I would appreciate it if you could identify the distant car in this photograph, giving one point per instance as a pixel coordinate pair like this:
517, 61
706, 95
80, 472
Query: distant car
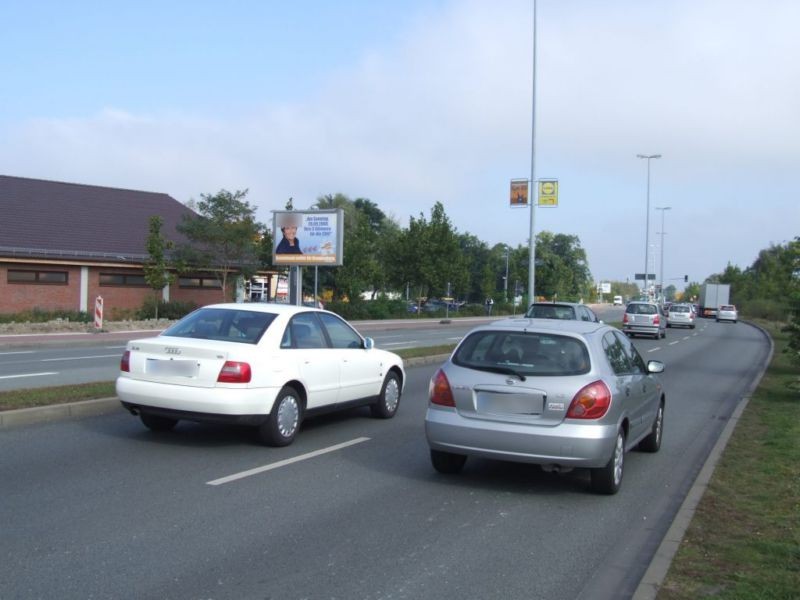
682, 315
727, 312
644, 318
561, 395
570, 311
267, 365
617, 300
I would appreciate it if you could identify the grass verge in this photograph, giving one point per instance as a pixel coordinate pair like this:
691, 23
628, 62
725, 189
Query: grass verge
744, 540
105, 389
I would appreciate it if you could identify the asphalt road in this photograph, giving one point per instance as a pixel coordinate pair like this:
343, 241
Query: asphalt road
102, 508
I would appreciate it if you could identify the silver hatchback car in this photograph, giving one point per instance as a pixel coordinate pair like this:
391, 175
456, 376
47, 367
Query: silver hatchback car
727, 312
644, 318
681, 314
560, 394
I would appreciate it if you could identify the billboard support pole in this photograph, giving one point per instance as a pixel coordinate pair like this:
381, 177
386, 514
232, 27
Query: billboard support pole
296, 286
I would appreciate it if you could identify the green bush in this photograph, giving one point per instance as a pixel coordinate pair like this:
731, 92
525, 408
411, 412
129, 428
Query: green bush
38, 315
172, 310
768, 309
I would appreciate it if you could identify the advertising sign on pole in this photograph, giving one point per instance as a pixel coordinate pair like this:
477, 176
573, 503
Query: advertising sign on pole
519, 192
313, 237
548, 192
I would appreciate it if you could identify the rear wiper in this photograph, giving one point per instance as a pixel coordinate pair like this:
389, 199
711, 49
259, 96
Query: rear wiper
498, 369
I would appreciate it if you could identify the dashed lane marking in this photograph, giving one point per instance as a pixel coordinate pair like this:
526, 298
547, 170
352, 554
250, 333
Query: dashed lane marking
284, 463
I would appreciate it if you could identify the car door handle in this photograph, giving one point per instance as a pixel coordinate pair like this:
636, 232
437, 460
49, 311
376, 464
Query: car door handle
627, 391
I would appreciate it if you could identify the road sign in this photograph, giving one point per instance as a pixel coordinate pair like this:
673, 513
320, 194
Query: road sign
640, 276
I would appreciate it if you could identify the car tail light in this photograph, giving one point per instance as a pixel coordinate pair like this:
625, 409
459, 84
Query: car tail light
125, 362
439, 390
234, 372
624, 317
591, 402
656, 320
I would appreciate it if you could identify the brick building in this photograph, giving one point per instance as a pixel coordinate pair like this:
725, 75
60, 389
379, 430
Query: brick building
64, 244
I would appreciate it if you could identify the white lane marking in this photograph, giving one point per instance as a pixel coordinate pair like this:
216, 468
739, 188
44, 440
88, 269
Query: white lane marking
19, 352
80, 357
656, 349
456, 338
675, 342
395, 344
288, 461
688, 337
27, 375
114, 347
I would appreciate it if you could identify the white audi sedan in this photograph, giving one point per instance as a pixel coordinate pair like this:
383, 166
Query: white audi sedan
265, 365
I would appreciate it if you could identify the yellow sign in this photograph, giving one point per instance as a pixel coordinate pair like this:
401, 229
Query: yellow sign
519, 192
548, 192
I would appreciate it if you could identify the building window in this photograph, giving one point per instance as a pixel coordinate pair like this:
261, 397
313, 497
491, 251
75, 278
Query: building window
40, 277
199, 282
122, 280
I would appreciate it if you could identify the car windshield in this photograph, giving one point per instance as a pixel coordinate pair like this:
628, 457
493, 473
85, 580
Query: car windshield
727, 308
679, 309
227, 325
523, 353
539, 311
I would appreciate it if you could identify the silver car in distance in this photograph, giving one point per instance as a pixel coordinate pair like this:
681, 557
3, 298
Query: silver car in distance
561, 394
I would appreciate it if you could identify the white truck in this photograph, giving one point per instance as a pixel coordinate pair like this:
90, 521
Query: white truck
712, 296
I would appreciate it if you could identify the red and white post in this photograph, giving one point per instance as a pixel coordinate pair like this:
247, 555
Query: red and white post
98, 313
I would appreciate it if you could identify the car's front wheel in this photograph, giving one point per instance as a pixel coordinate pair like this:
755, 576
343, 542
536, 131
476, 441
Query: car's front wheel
608, 479
447, 462
156, 423
389, 399
281, 426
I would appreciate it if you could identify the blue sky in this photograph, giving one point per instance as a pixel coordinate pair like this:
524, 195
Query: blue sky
413, 102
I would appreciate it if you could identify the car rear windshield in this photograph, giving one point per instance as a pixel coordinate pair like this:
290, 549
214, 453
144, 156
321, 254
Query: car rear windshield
679, 309
642, 309
727, 307
226, 325
526, 353
538, 311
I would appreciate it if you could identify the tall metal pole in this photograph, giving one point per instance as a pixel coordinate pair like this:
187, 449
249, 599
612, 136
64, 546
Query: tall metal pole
531, 195
647, 226
663, 209
505, 279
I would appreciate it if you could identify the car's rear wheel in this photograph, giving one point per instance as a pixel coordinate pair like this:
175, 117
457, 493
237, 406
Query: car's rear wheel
281, 426
663, 334
607, 479
652, 443
156, 423
447, 462
389, 399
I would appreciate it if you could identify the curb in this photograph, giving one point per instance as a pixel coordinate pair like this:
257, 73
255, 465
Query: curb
59, 412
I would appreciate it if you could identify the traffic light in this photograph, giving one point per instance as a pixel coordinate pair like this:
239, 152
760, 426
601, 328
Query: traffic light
685, 278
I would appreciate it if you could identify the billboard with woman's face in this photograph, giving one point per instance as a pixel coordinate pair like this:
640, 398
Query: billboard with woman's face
313, 237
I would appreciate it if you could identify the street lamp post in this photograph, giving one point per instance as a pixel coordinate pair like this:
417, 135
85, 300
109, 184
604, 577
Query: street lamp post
647, 225
505, 279
663, 209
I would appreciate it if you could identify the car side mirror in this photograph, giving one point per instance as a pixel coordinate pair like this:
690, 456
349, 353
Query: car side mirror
655, 366
369, 343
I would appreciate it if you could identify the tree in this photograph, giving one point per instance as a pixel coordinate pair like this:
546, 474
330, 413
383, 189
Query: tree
225, 236
156, 266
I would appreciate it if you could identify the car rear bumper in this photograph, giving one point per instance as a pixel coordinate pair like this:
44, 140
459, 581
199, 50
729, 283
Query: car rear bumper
567, 445
222, 402
643, 329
